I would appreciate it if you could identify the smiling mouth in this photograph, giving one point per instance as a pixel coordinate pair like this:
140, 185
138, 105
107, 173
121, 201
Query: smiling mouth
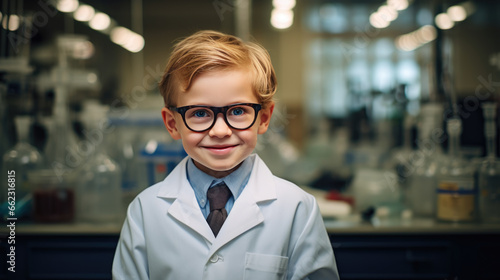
220, 150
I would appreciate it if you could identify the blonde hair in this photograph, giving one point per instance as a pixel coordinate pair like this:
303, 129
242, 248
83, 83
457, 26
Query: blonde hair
207, 51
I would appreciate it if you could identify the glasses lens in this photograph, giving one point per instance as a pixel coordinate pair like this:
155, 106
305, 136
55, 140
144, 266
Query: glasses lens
199, 118
240, 116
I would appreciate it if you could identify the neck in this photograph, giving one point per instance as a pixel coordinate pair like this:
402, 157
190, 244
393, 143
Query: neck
216, 173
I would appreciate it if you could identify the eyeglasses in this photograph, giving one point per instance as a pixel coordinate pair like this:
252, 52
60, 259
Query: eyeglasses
202, 118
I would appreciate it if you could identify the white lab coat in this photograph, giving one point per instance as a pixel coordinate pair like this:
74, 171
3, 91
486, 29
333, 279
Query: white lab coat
274, 231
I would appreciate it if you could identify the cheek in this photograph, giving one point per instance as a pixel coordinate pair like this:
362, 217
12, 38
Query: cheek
249, 137
190, 139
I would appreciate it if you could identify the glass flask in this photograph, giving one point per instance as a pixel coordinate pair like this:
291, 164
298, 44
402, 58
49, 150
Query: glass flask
456, 192
21, 159
99, 191
489, 171
423, 163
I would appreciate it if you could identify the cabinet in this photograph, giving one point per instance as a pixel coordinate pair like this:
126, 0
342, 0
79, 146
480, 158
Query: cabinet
362, 252
417, 256
61, 256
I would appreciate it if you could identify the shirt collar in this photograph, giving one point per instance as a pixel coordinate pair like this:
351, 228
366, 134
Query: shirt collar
200, 181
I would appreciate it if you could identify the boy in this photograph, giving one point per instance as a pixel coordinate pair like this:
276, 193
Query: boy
221, 214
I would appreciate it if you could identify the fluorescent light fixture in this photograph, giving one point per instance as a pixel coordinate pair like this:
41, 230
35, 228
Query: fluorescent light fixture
281, 19
457, 13
14, 22
443, 21
120, 35
100, 21
135, 44
417, 38
284, 4
399, 5
428, 33
84, 13
377, 20
128, 39
388, 13
461, 11
67, 6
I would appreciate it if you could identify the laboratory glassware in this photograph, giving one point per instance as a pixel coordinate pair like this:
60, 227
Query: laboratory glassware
99, 192
423, 162
21, 159
456, 191
489, 171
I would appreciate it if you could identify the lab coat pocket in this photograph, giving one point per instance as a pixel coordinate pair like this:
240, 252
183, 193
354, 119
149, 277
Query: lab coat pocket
265, 267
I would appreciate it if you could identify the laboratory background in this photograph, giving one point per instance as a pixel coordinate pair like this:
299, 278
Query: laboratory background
387, 112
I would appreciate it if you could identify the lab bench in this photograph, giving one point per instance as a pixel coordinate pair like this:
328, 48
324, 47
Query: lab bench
416, 249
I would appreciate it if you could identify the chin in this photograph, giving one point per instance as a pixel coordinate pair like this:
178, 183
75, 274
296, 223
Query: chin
223, 167
220, 167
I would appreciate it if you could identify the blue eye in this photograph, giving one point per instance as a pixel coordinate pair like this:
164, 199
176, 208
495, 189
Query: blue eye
200, 113
238, 111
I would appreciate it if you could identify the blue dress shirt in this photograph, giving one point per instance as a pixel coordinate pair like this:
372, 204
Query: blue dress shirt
201, 182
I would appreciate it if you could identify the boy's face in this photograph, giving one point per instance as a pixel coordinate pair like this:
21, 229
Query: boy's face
219, 150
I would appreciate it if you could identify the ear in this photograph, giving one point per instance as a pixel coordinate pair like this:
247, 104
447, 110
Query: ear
170, 123
265, 118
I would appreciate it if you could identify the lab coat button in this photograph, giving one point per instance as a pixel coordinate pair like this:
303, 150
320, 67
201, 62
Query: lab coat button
215, 258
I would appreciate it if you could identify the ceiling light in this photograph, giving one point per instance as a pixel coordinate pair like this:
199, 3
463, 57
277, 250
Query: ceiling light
387, 12
398, 4
67, 6
14, 22
100, 21
284, 4
281, 19
457, 13
84, 13
443, 21
378, 21
427, 33
135, 43
128, 39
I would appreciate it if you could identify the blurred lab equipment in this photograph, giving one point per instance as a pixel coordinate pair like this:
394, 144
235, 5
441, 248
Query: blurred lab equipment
400, 159
375, 188
423, 164
456, 191
161, 158
53, 196
21, 159
63, 80
99, 191
489, 170
142, 149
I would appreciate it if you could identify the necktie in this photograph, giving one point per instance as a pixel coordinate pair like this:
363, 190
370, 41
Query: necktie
217, 197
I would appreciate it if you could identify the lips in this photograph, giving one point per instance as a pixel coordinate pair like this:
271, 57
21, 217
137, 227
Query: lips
220, 149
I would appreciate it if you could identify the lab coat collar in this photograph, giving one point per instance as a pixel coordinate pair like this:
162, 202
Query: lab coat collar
261, 180
245, 214
184, 208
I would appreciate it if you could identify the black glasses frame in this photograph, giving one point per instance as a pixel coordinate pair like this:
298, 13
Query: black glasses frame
216, 110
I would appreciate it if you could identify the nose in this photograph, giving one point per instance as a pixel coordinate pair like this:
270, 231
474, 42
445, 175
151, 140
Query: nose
220, 128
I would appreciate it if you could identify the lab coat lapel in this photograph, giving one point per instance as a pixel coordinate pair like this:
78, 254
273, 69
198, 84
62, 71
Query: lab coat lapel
184, 208
246, 213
